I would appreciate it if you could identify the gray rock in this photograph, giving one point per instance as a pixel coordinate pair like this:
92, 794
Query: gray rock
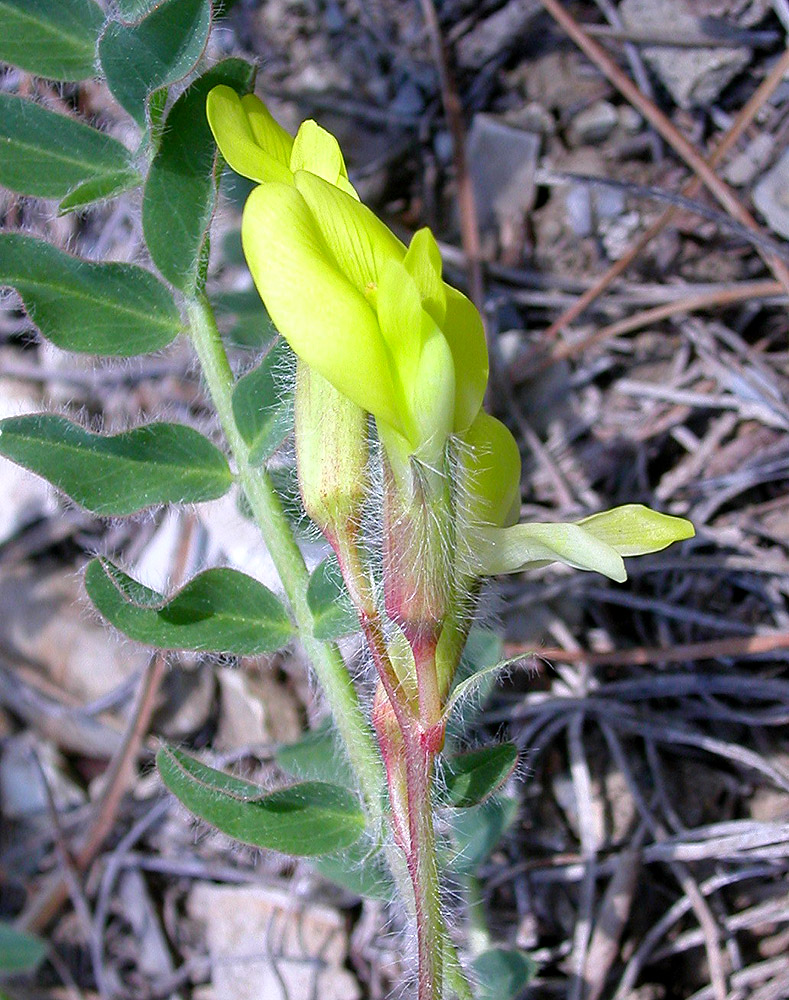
771, 196
502, 161
532, 117
594, 124
267, 942
25, 496
487, 38
693, 76
748, 164
408, 100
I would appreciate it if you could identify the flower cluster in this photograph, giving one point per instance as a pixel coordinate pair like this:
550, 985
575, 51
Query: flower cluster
377, 321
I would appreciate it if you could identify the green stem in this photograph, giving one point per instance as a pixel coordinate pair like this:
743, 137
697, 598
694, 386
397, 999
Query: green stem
423, 868
288, 560
325, 657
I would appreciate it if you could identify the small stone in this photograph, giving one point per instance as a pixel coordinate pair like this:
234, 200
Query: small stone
748, 164
43, 621
617, 234
630, 120
267, 942
22, 784
771, 197
532, 117
488, 37
510, 344
693, 76
255, 708
25, 497
408, 101
544, 80
502, 161
578, 203
594, 124
588, 205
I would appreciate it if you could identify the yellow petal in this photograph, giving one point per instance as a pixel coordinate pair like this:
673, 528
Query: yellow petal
325, 319
423, 263
400, 317
359, 242
317, 151
433, 394
248, 137
465, 335
635, 530
491, 461
527, 546
268, 133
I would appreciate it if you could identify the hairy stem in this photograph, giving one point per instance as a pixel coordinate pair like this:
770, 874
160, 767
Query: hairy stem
288, 560
435, 946
423, 870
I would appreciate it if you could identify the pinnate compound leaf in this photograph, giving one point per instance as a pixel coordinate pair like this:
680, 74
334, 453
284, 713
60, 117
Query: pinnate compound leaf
332, 611
118, 474
19, 952
263, 408
99, 189
179, 197
111, 309
46, 155
155, 52
469, 778
502, 973
308, 819
218, 611
51, 38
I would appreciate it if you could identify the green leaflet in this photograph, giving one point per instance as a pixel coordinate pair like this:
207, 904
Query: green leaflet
51, 38
250, 326
470, 778
19, 952
133, 10
110, 309
477, 831
99, 189
308, 819
333, 613
155, 52
360, 869
317, 756
262, 406
45, 154
118, 474
180, 193
218, 611
502, 973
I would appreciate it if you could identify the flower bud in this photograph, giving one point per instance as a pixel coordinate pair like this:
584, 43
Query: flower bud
331, 454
